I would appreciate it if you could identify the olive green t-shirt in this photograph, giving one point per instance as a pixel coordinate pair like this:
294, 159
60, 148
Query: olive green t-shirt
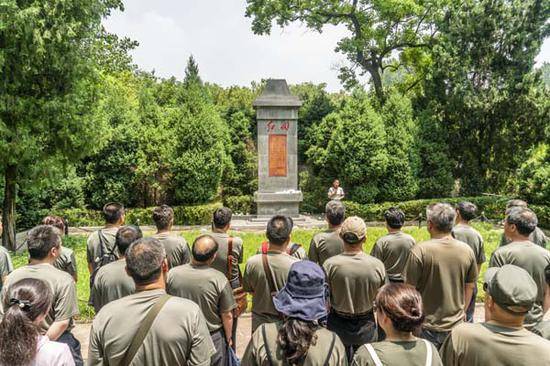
66, 261
256, 354
470, 236
484, 344
205, 286
111, 283
534, 260
64, 304
6, 266
92, 245
255, 281
220, 262
354, 280
324, 246
439, 269
178, 336
538, 237
395, 354
177, 251
293, 249
542, 329
393, 250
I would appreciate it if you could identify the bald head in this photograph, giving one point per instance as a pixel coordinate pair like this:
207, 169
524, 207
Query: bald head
204, 248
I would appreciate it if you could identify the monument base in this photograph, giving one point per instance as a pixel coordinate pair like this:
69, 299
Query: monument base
278, 203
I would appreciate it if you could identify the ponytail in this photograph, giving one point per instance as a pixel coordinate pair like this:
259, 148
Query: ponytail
295, 337
25, 301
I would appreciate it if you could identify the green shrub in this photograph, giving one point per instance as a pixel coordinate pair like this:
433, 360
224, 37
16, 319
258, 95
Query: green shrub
240, 204
534, 176
195, 215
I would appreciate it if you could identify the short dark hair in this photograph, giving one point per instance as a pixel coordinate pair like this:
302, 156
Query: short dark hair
206, 251
41, 239
221, 217
467, 210
525, 220
112, 212
125, 236
279, 228
335, 212
547, 274
144, 260
442, 216
163, 216
395, 218
55, 221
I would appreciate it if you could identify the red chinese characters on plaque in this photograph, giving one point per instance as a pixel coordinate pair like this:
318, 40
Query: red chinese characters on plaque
277, 155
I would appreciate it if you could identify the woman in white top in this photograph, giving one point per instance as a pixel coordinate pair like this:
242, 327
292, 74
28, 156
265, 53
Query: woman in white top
26, 304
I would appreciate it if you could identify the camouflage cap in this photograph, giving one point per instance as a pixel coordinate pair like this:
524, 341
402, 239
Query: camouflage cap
353, 230
511, 287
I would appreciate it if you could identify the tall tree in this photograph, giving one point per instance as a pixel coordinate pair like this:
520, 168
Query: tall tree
47, 86
192, 72
385, 35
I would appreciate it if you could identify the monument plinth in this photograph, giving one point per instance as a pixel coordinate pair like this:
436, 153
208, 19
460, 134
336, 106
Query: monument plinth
277, 117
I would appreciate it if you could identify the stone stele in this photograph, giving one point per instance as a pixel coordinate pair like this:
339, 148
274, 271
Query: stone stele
277, 116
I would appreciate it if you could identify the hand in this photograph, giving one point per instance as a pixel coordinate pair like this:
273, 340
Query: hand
229, 342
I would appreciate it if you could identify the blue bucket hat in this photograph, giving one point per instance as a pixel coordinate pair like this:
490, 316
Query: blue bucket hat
305, 294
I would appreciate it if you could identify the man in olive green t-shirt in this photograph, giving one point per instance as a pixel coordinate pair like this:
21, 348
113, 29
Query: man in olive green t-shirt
519, 224
102, 242
328, 243
463, 231
6, 266
264, 282
112, 282
353, 277
537, 236
44, 244
177, 251
66, 260
394, 248
444, 271
178, 335
210, 289
501, 340
543, 327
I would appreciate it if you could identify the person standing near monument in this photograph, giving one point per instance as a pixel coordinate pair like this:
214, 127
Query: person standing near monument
228, 257
354, 277
328, 243
336, 193
177, 251
112, 282
444, 271
209, 289
66, 261
537, 236
463, 231
44, 245
501, 340
266, 274
393, 249
149, 327
518, 226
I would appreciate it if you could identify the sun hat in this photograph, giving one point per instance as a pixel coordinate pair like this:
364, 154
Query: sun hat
353, 230
305, 294
511, 287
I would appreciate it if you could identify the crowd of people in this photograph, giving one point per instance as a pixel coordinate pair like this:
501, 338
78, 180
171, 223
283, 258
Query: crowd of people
160, 302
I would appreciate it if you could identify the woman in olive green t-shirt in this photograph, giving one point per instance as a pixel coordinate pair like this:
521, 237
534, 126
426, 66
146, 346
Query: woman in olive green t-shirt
399, 312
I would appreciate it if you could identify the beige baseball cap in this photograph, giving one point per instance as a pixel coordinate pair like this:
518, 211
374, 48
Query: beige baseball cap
353, 230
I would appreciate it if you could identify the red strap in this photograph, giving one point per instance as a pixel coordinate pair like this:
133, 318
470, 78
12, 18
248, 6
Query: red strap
265, 247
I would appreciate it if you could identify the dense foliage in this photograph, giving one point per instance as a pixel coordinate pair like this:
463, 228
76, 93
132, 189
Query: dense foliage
452, 106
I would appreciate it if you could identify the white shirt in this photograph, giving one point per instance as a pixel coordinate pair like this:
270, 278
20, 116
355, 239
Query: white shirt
52, 353
335, 194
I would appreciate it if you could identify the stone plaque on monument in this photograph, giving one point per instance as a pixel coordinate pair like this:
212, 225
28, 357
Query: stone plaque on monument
277, 116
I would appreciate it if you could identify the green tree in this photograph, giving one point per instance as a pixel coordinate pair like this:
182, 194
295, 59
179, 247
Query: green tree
384, 35
47, 88
350, 144
534, 176
490, 101
192, 72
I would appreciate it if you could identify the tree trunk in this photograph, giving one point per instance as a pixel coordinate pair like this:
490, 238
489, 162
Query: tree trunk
8, 212
377, 82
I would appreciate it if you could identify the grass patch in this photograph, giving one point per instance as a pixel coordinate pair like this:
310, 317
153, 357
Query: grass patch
252, 241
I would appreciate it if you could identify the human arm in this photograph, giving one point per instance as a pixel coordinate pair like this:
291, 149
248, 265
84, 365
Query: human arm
227, 320
95, 348
73, 268
57, 329
312, 252
201, 348
468, 293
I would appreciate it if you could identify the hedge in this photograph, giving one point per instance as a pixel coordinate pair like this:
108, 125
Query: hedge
490, 206
240, 204
183, 215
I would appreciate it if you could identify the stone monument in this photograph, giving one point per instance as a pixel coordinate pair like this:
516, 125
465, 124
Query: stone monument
277, 116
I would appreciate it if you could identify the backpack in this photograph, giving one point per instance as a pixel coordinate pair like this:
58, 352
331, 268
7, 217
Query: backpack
104, 257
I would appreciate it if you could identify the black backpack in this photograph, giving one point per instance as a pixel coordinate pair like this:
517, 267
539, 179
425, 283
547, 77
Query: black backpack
105, 256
